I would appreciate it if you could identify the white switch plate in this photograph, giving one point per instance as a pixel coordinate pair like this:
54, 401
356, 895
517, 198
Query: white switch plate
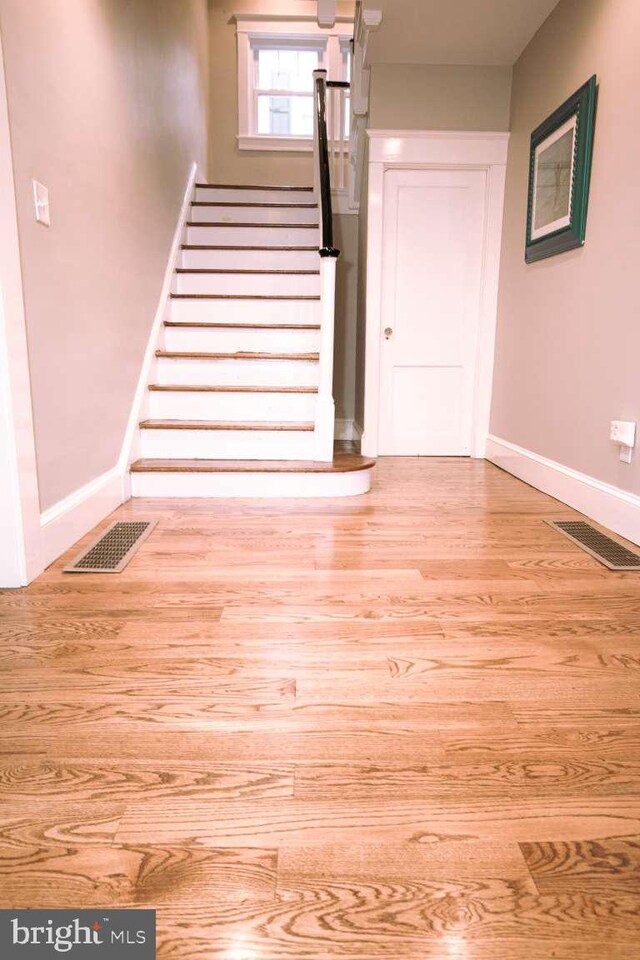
41, 203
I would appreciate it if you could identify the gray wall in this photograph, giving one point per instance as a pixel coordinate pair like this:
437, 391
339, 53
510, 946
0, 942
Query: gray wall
568, 338
108, 108
416, 96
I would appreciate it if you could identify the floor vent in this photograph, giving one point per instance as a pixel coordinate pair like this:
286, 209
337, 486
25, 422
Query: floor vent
612, 554
113, 550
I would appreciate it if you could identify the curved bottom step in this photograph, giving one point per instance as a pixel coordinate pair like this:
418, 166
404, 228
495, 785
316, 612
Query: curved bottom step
348, 475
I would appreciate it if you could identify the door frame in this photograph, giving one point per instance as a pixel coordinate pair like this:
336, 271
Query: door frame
20, 559
434, 149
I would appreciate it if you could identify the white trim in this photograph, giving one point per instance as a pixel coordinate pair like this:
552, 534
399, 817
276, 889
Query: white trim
428, 149
252, 485
278, 18
280, 144
70, 519
341, 203
345, 430
616, 509
131, 436
20, 508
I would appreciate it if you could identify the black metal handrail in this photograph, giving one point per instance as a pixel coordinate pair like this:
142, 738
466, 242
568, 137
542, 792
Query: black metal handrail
327, 248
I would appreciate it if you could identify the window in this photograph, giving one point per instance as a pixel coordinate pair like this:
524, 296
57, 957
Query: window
276, 60
283, 88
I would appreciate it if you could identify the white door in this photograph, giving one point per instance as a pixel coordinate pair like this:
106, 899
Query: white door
433, 239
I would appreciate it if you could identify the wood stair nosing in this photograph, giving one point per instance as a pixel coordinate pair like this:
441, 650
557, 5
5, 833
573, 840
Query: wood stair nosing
271, 249
225, 388
270, 205
253, 226
209, 325
242, 296
341, 463
243, 425
240, 355
249, 186
222, 270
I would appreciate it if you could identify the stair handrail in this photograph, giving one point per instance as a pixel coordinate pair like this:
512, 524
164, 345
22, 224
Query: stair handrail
324, 423
322, 165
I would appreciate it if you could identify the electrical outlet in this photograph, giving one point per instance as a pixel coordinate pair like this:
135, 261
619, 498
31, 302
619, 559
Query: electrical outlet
623, 432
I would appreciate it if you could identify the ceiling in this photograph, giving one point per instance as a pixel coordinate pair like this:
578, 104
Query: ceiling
489, 32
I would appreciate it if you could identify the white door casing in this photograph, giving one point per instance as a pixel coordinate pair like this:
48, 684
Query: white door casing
433, 236
483, 156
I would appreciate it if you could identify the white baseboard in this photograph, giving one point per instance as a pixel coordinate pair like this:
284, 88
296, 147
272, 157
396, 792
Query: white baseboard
610, 506
129, 450
70, 519
345, 430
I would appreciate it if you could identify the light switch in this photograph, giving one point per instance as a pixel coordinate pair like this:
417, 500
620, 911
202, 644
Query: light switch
41, 202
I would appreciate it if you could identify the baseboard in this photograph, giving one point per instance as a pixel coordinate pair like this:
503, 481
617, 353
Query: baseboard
131, 437
70, 519
610, 506
345, 430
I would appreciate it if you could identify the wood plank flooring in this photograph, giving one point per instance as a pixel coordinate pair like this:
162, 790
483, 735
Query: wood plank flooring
405, 725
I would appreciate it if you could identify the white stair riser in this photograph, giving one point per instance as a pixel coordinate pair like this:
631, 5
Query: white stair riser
254, 236
246, 311
251, 259
227, 444
216, 373
192, 405
250, 485
231, 195
234, 339
240, 214
275, 285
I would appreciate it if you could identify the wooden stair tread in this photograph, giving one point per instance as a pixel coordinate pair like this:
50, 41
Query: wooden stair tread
241, 296
226, 388
213, 246
241, 355
246, 186
232, 223
341, 463
258, 203
243, 326
222, 270
277, 425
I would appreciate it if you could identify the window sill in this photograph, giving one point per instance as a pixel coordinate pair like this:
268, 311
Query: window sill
278, 144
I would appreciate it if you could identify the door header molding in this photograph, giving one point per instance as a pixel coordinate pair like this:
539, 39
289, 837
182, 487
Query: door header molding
449, 147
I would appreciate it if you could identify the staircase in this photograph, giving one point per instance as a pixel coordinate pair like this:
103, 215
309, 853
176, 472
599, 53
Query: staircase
237, 406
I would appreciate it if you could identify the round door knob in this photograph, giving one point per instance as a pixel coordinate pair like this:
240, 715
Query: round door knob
388, 332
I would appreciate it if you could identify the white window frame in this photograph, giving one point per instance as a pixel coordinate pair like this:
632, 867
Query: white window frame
252, 34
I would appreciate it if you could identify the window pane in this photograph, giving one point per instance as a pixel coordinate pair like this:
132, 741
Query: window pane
285, 116
286, 69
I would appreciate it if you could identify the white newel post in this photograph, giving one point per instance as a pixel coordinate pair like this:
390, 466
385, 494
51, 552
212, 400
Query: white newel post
325, 408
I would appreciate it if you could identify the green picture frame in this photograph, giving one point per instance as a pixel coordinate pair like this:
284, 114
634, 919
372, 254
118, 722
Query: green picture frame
559, 175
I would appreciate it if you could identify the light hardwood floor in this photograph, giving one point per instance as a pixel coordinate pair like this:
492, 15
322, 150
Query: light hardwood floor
405, 725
